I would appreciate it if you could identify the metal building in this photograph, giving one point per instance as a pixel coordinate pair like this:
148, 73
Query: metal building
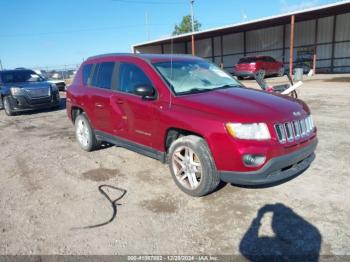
320, 34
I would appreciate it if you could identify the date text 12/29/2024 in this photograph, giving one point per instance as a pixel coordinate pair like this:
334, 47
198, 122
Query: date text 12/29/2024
172, 258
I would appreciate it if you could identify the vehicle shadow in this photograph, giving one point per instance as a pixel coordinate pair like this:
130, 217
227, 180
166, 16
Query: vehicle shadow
294, 239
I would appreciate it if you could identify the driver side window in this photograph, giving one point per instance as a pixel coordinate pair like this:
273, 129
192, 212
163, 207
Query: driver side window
130, 76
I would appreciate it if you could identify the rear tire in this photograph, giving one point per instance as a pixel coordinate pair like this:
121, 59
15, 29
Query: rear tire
192, 167
85, 134
8, 107
281, 71
240, 77
1, 103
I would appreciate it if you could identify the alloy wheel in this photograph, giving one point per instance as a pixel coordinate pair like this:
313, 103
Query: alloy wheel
187, 167
82, 132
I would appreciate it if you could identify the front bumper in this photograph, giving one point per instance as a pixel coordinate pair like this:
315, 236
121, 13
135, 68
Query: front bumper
244, 73
276, 169
23, 103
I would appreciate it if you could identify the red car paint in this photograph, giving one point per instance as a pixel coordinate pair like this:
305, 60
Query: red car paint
248, 66
205, 114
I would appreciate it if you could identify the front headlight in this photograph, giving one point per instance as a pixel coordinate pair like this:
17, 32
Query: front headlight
254, 131
16, 91
54, 87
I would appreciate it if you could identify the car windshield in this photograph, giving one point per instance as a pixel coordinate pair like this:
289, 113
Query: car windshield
186, 77
20, 77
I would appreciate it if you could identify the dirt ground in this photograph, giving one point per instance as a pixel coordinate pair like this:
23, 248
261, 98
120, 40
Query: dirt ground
49, 194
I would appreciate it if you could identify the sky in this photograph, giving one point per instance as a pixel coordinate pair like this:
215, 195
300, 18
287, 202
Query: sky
54, 33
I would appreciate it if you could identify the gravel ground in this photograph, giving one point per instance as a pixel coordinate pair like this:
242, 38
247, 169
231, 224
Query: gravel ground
49, 194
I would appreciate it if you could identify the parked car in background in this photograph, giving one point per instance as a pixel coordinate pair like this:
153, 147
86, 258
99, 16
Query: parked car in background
60, 83
187, 112
23, 90
264, 65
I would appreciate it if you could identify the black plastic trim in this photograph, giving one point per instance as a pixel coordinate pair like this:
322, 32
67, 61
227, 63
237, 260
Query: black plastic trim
141, 149
276, 169
26, 104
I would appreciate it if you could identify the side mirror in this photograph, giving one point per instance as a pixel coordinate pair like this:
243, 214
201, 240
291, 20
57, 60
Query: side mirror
145, 91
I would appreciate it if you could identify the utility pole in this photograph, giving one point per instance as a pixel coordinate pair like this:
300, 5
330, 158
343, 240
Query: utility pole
192, 22
1, 68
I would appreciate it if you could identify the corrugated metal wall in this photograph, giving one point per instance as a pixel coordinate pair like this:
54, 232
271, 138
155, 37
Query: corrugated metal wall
178, 48
264, 39
332, 48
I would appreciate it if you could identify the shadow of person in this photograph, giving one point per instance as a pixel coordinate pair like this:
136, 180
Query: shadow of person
294, 239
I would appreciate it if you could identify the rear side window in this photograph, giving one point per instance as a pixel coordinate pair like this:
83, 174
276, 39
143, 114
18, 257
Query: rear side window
86, 73
130, 76
247, 60
103, 75
270, 59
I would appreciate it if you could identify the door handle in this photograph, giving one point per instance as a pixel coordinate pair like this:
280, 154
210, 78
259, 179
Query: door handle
98, 105
120, 101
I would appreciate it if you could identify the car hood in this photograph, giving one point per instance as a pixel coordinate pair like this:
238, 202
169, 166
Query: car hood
245, 105
30, 85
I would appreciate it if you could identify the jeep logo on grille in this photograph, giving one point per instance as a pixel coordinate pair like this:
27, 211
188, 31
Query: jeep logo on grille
297, 113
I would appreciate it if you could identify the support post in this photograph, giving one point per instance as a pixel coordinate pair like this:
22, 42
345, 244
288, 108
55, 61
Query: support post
315, 48
244, 43
291, 45
284, 45
333, 42
212, 49
314, 63
222, 50
193, 48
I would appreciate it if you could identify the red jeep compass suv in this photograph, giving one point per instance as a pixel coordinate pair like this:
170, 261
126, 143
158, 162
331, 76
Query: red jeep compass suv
264, 65
185, 111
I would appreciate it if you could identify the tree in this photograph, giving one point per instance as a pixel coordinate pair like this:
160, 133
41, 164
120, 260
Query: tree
186, 26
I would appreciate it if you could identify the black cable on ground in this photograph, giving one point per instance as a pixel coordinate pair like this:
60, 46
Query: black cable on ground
114, 205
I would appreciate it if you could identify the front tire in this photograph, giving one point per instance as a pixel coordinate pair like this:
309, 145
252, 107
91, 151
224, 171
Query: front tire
85, 134
8, 107
192, 167
1, 103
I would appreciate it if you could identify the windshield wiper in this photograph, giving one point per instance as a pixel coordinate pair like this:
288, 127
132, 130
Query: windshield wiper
196, 90
227, 86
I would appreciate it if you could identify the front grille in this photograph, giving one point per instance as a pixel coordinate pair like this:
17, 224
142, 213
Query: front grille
294, 130
39, 92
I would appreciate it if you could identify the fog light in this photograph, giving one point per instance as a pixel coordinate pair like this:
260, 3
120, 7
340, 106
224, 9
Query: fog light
253, 160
